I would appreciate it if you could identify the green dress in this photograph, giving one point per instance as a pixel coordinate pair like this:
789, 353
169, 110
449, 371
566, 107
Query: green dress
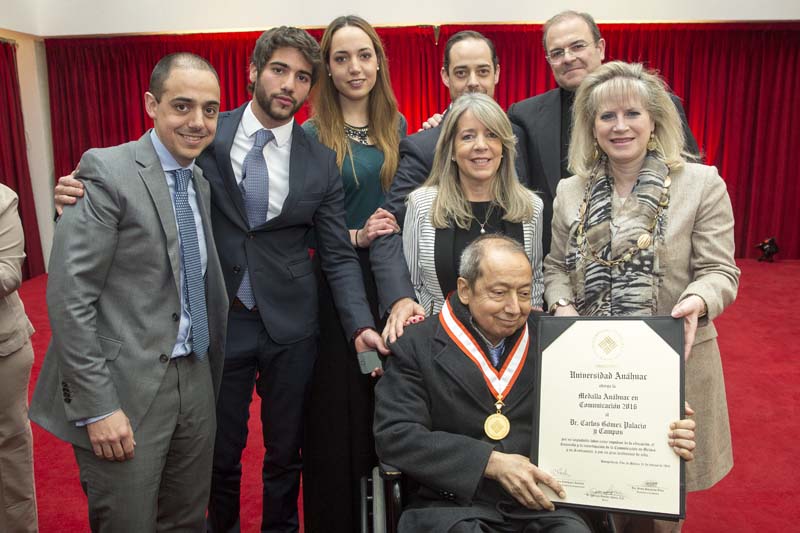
361, 179
338, 447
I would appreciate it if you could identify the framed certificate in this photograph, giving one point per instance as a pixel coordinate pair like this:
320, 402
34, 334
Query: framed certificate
608, 390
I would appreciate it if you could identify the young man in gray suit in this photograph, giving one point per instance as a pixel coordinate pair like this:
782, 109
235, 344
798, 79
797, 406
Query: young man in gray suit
137, 306
574, 49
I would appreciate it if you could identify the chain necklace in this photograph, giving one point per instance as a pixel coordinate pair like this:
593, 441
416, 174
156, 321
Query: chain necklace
642, 243
485, 219
359, 134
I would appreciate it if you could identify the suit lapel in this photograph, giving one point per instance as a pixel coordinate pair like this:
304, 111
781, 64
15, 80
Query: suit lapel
465, 373
154, 180
223, 142
298, 161
549, 141
462, 370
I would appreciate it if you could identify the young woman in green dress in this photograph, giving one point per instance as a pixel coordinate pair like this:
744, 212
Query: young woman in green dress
355, 114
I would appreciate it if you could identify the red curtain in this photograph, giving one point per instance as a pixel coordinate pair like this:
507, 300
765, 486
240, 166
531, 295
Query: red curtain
739, 83
14, 171
414, 68
96, 85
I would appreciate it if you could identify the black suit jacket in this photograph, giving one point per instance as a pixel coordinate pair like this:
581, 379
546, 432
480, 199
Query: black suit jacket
540, 119
430, 408
416, 160
276, 252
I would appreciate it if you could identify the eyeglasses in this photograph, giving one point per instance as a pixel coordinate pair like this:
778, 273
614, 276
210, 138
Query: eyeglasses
558, 55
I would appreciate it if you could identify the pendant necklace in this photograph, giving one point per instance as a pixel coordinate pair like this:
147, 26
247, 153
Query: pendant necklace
485, 219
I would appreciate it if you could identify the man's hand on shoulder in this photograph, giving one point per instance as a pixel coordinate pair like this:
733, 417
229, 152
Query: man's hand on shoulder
67, 191
519, 477
112, 437
432, 122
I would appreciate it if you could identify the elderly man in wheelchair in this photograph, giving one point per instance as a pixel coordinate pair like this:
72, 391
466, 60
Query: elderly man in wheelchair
437, 405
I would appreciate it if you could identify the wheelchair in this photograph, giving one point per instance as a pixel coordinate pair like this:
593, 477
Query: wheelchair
383, 494
381, 500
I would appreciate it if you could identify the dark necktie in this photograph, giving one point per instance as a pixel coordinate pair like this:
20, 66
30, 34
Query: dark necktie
193, 286
255, 189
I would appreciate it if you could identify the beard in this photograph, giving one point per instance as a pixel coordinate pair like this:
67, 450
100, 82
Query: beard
274, 109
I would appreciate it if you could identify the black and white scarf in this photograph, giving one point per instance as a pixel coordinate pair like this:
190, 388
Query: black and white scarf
630, 288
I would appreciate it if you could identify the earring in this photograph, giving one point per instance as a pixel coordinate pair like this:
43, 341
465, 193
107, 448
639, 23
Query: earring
379, 67
596, 152
329, 74
652, 144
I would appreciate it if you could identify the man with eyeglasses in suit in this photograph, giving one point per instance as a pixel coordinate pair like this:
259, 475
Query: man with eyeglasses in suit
574, 49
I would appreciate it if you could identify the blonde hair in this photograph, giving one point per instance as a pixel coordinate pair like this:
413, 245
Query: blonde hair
624, 81
451, 205
384, 118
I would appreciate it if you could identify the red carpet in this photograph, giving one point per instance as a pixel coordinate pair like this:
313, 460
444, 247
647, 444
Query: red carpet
758, 339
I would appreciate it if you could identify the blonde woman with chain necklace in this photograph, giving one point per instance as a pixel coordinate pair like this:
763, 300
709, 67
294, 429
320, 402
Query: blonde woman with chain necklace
640, 231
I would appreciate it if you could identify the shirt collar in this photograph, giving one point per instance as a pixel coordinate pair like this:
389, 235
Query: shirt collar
168, 162
486, 341
283, 134
463, 315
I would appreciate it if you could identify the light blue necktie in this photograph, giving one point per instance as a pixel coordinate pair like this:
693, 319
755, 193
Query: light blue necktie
193, 286
494, 354
255, 189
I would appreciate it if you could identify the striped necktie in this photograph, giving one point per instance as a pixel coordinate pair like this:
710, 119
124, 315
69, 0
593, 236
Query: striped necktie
255, 189
494, 354
194, 286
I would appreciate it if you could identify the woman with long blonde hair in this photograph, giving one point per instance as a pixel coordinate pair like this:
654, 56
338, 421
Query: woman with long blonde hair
640, 230
473, 189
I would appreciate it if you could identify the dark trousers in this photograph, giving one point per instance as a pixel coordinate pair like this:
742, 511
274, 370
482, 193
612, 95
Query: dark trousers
281, 374
559, 521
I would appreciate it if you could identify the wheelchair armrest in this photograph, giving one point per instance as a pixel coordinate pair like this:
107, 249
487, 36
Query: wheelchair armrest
388, 472
393, 493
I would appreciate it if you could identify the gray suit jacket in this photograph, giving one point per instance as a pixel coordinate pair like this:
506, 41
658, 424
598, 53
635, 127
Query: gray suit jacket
113, 293
540, 119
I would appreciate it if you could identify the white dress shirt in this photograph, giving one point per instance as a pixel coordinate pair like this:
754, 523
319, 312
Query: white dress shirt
276, 153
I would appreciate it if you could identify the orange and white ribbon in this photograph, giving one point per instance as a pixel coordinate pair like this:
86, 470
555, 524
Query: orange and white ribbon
500, 381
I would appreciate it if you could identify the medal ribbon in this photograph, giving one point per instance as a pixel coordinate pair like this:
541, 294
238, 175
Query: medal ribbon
500, 381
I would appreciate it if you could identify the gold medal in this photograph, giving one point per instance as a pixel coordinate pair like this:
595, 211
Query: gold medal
644, 241
496, 426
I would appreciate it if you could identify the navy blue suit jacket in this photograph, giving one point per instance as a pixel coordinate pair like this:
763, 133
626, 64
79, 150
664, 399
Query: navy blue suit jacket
277, 252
